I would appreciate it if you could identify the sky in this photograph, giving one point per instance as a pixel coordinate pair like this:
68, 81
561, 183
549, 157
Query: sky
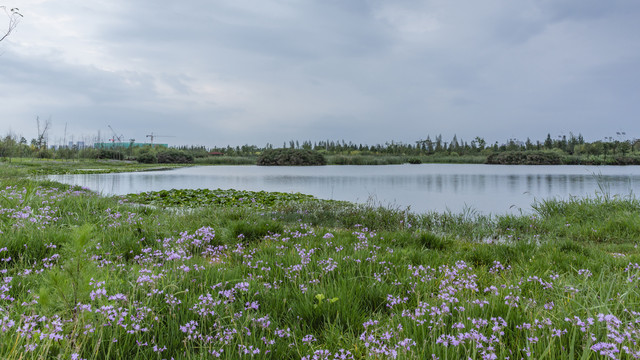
234, 72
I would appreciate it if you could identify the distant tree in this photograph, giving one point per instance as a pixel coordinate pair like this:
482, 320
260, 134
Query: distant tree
454, 145
512, 145
14, 18
41, 141
7, 146
438, 143
548, 143
562, 143
429, 145
528, 144
624, 147
571, 144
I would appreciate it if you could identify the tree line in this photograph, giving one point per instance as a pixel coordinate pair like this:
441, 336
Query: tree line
573, 146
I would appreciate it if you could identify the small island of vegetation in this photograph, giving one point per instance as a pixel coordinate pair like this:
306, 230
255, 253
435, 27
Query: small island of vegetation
290, 157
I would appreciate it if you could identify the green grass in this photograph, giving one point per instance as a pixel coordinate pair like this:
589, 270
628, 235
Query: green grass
226, 160
29, 166
402, 159
293, 276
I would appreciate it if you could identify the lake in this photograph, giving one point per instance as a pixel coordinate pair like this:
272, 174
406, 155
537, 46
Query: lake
496, 189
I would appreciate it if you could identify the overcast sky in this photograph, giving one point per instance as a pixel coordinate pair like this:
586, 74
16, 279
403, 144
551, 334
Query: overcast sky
218, 72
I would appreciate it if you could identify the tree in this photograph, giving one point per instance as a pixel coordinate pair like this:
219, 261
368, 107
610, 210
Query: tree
429, 144
624, 147
548, 143
528, 144
41, 141
14, 18
438, 143
454, 145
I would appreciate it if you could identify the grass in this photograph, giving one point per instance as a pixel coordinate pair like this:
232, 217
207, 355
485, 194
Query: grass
402, 159
90, 277
226, 160
60, 167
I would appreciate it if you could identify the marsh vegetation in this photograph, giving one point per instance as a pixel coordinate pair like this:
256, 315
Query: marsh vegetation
275, 276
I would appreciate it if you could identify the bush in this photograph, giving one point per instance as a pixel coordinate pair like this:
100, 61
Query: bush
290, 157
525, 158
110, 154
147, 158
174, 156
44, 154
625, 160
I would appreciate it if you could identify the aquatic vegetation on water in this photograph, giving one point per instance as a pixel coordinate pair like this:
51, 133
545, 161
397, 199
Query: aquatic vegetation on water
219, 197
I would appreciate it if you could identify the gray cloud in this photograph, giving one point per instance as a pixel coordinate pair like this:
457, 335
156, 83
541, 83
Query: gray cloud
234, 72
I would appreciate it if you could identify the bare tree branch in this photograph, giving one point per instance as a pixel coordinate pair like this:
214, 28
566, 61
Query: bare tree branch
43, 136
14, 18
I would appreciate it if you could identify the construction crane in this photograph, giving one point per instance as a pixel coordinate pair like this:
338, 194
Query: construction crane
115, 135
152, 136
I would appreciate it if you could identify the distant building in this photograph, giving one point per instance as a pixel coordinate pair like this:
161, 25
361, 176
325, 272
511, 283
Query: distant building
70, 145
126, 145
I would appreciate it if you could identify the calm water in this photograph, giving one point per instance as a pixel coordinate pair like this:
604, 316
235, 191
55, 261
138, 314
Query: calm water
426, 187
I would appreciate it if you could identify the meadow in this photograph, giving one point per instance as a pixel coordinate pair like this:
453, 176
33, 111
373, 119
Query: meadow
254, 275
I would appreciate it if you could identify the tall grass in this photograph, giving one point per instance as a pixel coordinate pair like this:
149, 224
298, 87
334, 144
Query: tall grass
226, 160
365, 160
83, 276
595, 219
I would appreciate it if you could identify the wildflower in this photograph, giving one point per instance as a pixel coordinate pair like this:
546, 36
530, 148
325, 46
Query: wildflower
549, 305
251, 305
308, 339
585, 272
242, 286
189, 327
606, 349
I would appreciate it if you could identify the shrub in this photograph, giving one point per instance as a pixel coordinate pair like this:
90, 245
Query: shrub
147, 158
174, 156
110, 154
525, 158
44, 154
290, 157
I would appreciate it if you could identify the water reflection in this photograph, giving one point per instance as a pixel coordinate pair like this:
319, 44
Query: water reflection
427, 187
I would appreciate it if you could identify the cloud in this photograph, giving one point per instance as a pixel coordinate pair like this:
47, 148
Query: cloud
235, 72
